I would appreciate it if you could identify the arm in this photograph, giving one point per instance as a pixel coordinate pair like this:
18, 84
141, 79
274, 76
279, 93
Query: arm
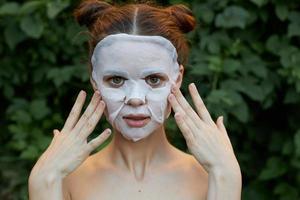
225, 184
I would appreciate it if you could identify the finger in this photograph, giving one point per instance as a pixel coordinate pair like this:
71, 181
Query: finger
55, 135
93, 144
222, 128
221, 125
75, 112
89, 111
184, 128
91, 123
185, 105
179, 111
199, 104
49, 149
55, 132
174, 104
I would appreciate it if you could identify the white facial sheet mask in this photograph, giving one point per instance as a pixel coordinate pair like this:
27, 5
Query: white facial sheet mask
135, 57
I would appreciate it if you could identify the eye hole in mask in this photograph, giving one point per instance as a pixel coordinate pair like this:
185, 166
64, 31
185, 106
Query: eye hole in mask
154, 80
114, 81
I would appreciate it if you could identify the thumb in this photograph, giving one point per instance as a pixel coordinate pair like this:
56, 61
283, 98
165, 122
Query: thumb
220, 124
55, 134
222, 128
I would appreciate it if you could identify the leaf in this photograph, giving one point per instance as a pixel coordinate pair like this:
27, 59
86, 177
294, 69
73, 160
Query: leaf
239, 108
291, 97
274, 43
61, 75
38, 108
286, 191
10, 8
251, 89
297, 86
297, 142
30, 6
294, 17
293, 29
233, 16
241, 112
8, 91
17, 131
273, 169
21, 116
289, 56
255, 65
55, 7
13, 36
33, 26
215, 63
219, 97
233, 84
204, 12
282, 11
260, 3
30, 153
231, 65
287, 148
200, 69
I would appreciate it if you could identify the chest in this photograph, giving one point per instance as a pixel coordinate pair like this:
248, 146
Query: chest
162, 187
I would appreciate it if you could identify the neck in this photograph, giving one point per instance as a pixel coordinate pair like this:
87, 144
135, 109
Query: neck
140, 157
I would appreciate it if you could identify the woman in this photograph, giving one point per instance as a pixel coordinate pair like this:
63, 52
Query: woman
136, 75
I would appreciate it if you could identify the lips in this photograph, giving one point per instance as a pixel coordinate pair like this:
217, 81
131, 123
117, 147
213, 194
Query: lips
138, 120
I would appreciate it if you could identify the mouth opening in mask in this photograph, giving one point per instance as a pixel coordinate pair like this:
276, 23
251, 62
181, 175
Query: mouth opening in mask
136, 120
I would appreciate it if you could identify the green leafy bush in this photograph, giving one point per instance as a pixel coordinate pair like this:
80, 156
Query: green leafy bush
245, 60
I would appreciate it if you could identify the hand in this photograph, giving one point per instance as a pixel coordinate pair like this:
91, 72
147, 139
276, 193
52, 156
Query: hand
207, 141
69, 147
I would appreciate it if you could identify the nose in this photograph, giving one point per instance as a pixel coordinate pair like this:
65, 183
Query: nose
135, 102
135, 95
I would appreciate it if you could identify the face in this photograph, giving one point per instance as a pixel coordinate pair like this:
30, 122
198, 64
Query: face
135, 79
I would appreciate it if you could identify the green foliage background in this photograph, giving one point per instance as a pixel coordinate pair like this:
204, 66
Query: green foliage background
245, 60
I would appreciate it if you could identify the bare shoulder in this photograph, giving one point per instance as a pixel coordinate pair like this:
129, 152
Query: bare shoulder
190, 163
85, 173
192, 172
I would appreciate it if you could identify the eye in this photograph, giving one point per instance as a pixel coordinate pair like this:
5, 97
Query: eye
154, 80
116, 81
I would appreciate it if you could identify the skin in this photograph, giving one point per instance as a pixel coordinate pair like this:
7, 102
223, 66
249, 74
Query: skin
149, 169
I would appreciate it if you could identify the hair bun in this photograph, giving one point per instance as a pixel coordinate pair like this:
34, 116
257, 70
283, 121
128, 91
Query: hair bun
89, 10
184, 17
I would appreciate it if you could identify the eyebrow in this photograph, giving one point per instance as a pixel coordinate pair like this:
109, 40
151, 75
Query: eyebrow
147, 72
116, 73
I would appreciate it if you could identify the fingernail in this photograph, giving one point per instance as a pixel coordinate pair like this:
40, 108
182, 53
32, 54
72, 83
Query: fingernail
222, 118
174, 89
55, 131
108, 131
102, 103
177, 116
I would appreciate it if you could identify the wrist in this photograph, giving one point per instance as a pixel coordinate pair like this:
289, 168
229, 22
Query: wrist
44, 179
231, 173
225, 183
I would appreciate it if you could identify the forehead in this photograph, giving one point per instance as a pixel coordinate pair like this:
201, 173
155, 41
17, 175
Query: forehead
134, 55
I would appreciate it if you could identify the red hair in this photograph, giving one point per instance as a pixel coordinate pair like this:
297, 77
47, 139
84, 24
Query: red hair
103, 19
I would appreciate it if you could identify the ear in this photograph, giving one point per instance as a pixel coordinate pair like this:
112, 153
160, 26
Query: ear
94, 84
180, 76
